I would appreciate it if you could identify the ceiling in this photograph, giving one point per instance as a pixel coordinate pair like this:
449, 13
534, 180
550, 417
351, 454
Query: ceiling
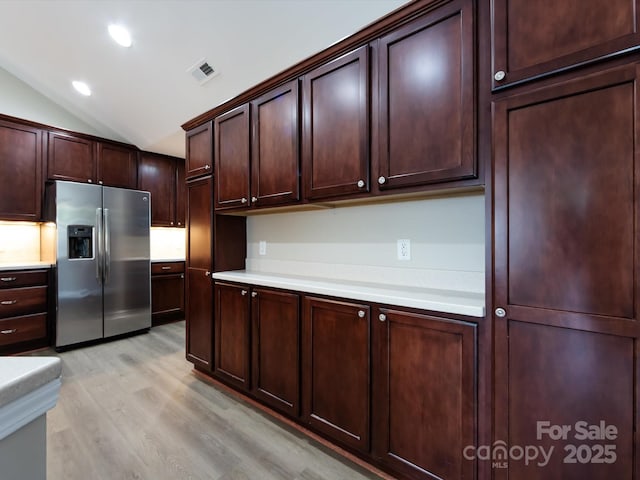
143, 94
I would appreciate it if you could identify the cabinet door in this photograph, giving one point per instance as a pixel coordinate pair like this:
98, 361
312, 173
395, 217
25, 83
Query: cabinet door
276, 349
426, 99
336, 370
232, 334
158, 176
20, 172
199, 317
199, 151
424, 394
336, 127
534, 38
167, 294
117, 166
565, 265
71, 158
232, 158
275, 159
199, 224
181, 194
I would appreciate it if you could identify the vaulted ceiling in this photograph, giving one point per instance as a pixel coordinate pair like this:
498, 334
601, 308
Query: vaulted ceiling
143, 94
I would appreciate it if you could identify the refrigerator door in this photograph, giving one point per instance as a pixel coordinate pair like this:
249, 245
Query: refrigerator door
79, 292
127, 267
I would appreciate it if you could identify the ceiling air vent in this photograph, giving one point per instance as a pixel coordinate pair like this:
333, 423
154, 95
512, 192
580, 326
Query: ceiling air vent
202, 71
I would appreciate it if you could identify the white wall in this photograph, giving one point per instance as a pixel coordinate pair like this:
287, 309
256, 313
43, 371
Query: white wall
359, 243
18, 99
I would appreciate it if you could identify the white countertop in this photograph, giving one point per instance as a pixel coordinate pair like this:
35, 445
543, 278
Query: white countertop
446, 301
29, 386
24, 266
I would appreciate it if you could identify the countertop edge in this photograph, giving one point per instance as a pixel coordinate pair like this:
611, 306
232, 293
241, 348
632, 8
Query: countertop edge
23, 410
373, 294
26, 266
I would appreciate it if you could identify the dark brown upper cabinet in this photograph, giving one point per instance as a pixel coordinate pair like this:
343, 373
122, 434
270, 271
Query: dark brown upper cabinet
426, 100
71, 158
232, 158
536, 38
20, 172
275, 159
335, 138
158, 175
117, 166
181, 193
199, 150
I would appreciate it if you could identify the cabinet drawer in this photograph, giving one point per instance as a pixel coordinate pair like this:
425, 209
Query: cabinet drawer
22, 329
167, 267
23, 278
22, 301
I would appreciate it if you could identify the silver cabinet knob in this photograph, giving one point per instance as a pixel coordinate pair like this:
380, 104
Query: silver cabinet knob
179, 223
499, 76
100, 182
500, 312
382, 317
207, 167
207, 273
243, 200
89, 180
171, 223
382, 180
361, 313
182, 276
360, 183
254, 199
254, 294
244, 292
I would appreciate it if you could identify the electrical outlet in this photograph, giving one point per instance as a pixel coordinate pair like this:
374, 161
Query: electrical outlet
404, 249
262, 247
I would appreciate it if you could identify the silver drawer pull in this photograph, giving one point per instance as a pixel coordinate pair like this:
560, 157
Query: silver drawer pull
8, 332
8, 302
8, 279
166, 268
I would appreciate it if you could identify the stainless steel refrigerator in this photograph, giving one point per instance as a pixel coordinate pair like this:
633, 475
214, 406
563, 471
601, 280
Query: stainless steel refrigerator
103, 264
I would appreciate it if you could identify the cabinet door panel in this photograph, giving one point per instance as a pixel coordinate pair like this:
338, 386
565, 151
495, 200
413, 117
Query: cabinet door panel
71, 158
199, 151
533, 38
167, 294
181, 194
232, 334
20, 172
199, 317
158, 176
563, 377
117, 166
570, 209
275, 159
199, 224
425, 387
336, 371
276, 349
427, 99
336, 127
232, 158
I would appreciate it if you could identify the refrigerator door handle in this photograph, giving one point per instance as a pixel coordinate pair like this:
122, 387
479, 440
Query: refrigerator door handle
107, 246
98, 242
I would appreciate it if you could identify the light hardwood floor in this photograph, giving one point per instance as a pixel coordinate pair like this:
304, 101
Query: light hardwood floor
133, 409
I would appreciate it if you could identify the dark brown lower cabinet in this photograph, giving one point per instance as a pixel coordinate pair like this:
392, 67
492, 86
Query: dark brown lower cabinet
167, 291
336, 370
276, 349
424, 394
232, 334
199, 315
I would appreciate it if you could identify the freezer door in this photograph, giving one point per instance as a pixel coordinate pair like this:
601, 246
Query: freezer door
127, 267
79, 292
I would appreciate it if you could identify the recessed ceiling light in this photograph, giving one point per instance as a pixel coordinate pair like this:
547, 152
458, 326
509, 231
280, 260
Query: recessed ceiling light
82, 88
120, 35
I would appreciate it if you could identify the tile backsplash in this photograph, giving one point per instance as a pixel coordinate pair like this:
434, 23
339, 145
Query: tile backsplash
19, 242
168, 243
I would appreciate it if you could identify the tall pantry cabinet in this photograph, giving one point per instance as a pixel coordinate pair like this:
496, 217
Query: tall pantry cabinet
565, 236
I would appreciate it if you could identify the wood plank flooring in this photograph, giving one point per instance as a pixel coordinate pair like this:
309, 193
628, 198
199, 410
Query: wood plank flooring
133, 409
